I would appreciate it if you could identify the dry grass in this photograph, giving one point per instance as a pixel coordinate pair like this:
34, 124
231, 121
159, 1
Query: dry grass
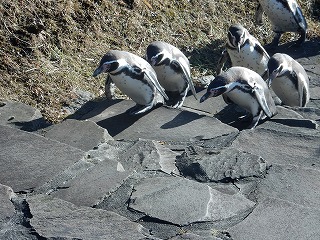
49, 48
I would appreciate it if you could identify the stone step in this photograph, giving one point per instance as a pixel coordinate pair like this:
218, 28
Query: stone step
28, 160
22, 116
84, 135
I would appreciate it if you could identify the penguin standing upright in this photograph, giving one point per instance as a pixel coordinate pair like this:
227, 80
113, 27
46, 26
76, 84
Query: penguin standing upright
244, 50
288, 80
285, 16
173, 71
245, 88
135, 77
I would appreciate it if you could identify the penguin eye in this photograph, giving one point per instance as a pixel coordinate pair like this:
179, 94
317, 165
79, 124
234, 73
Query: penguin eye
156, 59
280, 68
106, 67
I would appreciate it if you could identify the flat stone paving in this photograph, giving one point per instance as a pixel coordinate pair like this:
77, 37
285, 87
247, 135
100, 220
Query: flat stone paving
190, 173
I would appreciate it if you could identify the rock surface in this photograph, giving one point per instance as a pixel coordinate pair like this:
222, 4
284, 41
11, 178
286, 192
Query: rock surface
192, 173
68, 132
29, 160
55, 218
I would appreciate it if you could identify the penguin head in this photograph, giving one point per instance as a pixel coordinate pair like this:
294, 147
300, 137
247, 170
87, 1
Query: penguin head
109, 63
236, 36
275, 69
217, 87
157, 54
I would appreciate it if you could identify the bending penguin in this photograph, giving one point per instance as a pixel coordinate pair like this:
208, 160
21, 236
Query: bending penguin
173, 71
285, 16
134, 77
244, 50
288, 80
245, 88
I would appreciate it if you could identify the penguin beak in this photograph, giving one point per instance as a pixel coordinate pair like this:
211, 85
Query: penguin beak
205, 96
97, 72
271, 77
153, 61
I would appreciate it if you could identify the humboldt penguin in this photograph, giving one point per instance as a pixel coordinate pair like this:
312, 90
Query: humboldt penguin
285, 16
135, 77
245, 88
288, 80
173, 71
244, 50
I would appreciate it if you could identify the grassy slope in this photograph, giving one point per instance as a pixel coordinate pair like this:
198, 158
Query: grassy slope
48, 48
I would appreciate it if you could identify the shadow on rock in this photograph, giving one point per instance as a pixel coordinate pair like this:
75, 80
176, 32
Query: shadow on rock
230, 115
118, 123
307, 49
33, 125
306, 123
92, 108
182, 118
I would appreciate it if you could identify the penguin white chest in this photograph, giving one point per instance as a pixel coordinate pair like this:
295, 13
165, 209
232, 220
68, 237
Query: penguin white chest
281, 17
245, 100
169, 79
139, 91
248, 57
285, 89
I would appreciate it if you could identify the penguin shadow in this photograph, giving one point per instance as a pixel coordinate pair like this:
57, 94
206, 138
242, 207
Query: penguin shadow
206, 57
118, 123
232, 115
181, 119
307, 49
93, 108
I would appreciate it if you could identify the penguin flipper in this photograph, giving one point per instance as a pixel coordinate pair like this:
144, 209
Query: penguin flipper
258, 47
222, 60
301, 21
155, 83
301, 88
109, 88
298, 17
261, 98
187, 77
258, 15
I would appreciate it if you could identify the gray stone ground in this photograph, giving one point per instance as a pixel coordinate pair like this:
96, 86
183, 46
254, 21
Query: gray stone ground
194, 173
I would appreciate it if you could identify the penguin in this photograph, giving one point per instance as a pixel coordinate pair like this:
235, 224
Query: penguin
135, 77
245, 88
244, 50
173, 71
288, 80
285, 16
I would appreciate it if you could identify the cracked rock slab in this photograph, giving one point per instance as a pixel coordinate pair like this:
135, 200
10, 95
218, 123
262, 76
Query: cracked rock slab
277, 220
91, 186
225, 165
84, 135
29, 160
292, 183
57, 219
278, 144
181, 201
149, 155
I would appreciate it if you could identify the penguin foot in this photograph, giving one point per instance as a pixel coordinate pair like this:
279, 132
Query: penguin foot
255, 120
275, 41
139, 109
